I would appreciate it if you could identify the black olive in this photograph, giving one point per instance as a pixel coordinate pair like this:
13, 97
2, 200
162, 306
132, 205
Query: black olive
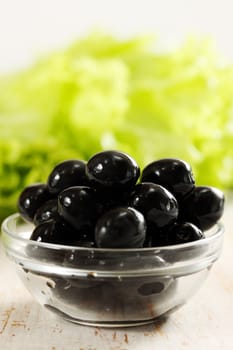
31, 198
158, 205
66, 174
120, 228
112, 170
173, 174
79, 206
203, 207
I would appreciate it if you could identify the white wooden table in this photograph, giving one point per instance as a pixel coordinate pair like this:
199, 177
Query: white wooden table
206, 322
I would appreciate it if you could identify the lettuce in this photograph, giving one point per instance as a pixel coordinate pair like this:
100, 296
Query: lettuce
108, 93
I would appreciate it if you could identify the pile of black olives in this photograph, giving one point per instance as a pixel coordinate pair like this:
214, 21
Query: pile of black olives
102, 203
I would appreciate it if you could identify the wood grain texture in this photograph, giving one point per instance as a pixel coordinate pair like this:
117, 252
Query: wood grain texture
205, 322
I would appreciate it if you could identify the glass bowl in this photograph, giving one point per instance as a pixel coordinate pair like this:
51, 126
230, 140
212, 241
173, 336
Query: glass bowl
110, 287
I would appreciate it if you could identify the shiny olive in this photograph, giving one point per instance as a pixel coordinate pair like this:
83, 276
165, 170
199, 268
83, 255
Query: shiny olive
46, 212
173, 174
31, 198
112, 170
52, 231
176, 234
78, 205
120, 228
66, 174
184, 233
203, 207
157, 204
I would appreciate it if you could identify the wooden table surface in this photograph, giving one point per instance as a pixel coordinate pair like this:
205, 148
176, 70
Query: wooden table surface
205, 322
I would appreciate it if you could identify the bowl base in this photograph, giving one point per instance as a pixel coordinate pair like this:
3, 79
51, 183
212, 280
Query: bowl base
105, 324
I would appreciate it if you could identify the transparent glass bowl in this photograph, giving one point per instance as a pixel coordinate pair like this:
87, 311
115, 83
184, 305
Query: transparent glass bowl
110, 287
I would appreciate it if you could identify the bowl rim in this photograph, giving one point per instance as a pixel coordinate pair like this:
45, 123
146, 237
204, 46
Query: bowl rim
218, 231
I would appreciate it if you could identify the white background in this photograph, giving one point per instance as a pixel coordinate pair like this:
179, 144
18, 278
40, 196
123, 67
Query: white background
30, 27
